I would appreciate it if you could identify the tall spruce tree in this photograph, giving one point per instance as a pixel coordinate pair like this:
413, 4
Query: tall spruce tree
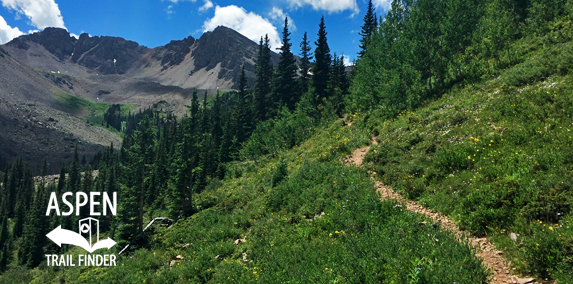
285, 86
305, 65
217, 128
241, 116
16, 174
86, 186
369, 27
205, 115
224, 154
321, 70
263, 80
338, 84
24, 200
132, 198
30, 251
62, 180
185, 161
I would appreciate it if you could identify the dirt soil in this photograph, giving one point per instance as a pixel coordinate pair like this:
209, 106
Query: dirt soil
492, 258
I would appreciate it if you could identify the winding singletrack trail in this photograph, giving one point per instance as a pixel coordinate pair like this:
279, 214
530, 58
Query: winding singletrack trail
492, 258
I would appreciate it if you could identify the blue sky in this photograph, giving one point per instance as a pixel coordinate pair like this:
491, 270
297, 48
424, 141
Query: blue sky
156, 22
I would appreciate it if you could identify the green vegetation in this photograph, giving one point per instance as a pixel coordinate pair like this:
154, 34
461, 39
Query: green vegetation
288, 238
495, 157
471, 103
92, 112
485, 137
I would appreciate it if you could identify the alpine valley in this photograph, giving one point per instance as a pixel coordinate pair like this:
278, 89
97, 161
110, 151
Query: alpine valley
53, 86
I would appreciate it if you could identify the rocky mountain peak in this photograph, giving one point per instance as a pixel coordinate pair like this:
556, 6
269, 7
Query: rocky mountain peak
214, 60
174, 52
231, 50
107, 55
56, 40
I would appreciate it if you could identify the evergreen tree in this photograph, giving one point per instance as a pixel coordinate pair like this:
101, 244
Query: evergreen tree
44, 173
193, 109
263, 80
305, 65
369, 27
23, 200
224, 153
338, 84
217, 129
321, 70
184, 162
159, 175
344, 80
205, 115
140, 156
241, 116
4, 237
74, 180
30, 252
62, 180
285, 87
14, 182
86, 186
182, 184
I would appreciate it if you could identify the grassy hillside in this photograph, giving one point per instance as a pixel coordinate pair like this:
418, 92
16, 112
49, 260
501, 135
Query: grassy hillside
306, 218
497, 156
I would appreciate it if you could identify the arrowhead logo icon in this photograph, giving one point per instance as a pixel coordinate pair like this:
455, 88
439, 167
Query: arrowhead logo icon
62, 236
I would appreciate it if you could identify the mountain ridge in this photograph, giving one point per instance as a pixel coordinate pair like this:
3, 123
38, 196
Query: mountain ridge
222, 50
41, 73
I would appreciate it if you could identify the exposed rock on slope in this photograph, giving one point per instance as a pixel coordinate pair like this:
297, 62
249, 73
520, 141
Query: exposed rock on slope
230, 50
32, 127
37, 132
174, 52
107, 55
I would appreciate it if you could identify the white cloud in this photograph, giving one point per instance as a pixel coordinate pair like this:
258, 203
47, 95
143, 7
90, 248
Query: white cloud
41, 13
249, 24
278, 16
384, 5
75, 35
208, 5
169, 10
347, 61
7, 33
328, 5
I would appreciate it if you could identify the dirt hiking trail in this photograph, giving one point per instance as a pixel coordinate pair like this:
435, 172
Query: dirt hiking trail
491, 257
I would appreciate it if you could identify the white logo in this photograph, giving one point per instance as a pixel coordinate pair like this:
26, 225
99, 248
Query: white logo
62, 236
